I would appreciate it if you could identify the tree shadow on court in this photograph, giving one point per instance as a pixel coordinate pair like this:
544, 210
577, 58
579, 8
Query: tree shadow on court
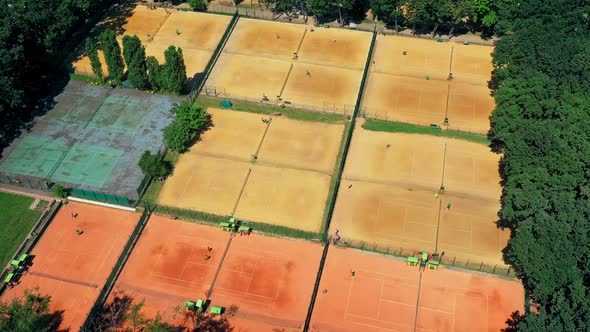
116, 18
196, 321
123, 313
31, 311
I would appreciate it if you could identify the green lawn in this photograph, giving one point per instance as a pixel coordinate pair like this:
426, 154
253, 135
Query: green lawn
16, 220
395, 127
260, 108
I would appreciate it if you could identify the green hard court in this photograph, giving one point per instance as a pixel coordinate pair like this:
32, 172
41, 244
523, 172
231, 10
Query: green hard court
73, 108
120, 113
87, 165
35, 156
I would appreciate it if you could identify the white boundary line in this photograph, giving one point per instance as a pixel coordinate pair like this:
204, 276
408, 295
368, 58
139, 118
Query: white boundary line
76, 199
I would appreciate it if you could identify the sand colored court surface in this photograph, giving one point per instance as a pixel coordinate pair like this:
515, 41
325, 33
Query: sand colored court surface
414, 87
265, 39
386, 216
285, 197
388, 197
143, 22
301, 144
335, 47
247, 77
286, 184
470, 107
405, 99
317, 70
234, 135
65, 263
270, 280
322, 87
387, 295
198, 34
411, 162
472, 64
168, 265
190, 30
423, 57
205, 184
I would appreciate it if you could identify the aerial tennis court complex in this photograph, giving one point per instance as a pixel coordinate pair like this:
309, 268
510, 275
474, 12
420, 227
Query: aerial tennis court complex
409, 82
270, 280
276, 172
92, 139
390, 197
385, 294
72, 267
198, 34
289, 64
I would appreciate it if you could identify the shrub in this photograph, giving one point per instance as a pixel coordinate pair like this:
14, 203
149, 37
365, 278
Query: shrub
191, 121
60, 191
154, 166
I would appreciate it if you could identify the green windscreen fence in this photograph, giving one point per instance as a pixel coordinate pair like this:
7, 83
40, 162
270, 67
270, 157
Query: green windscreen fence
102, 197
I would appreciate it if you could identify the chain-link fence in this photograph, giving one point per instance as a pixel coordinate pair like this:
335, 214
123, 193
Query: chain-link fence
446, 259
320, 107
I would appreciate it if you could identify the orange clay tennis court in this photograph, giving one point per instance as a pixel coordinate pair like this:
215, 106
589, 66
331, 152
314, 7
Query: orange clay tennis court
470, 107
265, 39
405, 99
269, 279
284, 197
322, 87
301, 144
414, 57
64, 262
169, 265
472, 64
387, 295
207, 184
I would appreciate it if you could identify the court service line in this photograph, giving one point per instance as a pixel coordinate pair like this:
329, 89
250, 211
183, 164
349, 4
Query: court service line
375, 320
248, 294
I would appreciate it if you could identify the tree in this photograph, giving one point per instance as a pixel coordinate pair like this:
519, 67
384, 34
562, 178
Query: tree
388, 11
541, 125
29, 313
154, 72
92, 52
200, 5
191, 121
329, 9
60, 191
173, 72
134, 54
154, 166
112, 54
